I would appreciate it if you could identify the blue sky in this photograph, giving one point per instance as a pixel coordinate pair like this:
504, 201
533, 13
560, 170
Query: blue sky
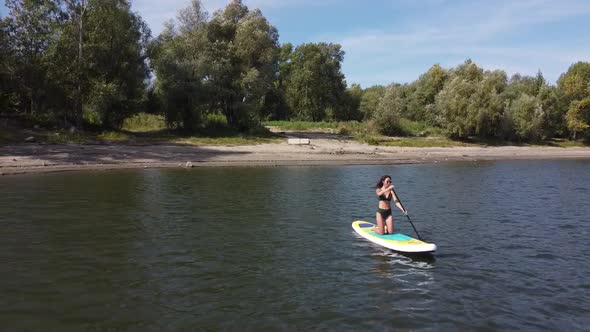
397, 40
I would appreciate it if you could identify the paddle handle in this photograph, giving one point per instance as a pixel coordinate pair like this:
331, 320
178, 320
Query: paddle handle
407, 216
415, 230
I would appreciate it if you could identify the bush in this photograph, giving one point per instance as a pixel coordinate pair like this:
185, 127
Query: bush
215, 121
143, 122
106, 102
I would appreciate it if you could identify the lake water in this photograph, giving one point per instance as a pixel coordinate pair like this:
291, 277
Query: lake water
273, 248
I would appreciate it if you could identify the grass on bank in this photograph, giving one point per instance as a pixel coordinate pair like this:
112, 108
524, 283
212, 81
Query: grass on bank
146, 128
411, 134
141, 129
144, 122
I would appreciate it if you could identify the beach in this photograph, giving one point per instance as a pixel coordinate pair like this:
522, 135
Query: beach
39, 158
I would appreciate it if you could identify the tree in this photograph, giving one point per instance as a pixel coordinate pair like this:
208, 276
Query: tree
578, 118
349, 108
529, 85
179, 57
116, 41
471, 103
8, 91
552, 104
528, 117
575, 83
243, 53
488, 104
421, 103
228, 64
370, 100
390, 109
77, 11
315, 83
454, 102
548, 118
30, 30
574, 86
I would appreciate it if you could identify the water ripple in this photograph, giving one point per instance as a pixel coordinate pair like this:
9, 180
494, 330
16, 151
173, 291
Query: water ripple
170, 250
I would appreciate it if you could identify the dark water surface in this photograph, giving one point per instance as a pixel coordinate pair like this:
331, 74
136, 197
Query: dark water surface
272, 248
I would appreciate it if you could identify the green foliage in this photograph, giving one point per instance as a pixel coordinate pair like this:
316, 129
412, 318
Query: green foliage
106, 102
370, 100
574, 86
144, 122
528, 118
303, 125
85, 63
315, 83
275, 106
471, 103
115, 42
226, 64
417, 128
519, 84
390, 109
215, 121
350, 105
300, 125
28, 34
60, 52
113, 136
533, 110
578, 118
552, 104
575, 83
8, 91
243, 53
179, 59
421, 102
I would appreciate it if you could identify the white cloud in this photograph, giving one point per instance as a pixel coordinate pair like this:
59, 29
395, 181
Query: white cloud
155, 13
428, 32
477, 30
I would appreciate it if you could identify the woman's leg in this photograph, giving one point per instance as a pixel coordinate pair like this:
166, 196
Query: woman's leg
389, 222
380, 226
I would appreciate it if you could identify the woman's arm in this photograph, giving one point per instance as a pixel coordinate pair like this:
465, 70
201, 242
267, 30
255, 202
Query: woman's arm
380, 192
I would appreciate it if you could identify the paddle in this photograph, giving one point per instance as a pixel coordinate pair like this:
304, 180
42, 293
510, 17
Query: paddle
410, 220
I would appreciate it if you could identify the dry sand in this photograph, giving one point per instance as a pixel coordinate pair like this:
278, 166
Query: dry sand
33, 158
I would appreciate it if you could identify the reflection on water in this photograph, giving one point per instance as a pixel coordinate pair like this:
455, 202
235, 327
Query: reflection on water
273, 248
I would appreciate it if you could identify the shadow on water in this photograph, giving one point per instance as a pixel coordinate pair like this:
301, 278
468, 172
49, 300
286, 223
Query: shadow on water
426, 258
408, 259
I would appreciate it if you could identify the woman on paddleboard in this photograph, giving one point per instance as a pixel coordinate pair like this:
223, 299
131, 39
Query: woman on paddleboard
385, 193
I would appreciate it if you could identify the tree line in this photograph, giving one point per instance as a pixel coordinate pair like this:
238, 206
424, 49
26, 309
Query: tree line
93, 63
468, 101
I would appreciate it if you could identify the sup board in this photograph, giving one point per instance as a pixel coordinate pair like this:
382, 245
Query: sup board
397, 241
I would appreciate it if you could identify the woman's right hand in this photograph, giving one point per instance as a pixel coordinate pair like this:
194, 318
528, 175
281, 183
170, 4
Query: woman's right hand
390, 187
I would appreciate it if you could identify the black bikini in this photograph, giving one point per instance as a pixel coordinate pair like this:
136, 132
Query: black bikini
384, 212
383, 198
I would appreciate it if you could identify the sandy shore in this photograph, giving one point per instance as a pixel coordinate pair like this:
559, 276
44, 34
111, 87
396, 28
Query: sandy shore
32, 158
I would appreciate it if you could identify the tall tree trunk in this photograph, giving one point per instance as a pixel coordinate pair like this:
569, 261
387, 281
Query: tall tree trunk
78, 106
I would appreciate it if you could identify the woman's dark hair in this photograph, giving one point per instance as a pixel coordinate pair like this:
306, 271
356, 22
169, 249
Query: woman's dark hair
380, 183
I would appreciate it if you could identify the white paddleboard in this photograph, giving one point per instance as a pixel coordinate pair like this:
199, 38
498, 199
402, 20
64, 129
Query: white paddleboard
397, 241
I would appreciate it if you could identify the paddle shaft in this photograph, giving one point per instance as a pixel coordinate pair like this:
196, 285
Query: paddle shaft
410, 220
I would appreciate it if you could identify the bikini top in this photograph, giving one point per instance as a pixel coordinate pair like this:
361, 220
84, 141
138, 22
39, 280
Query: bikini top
383, 198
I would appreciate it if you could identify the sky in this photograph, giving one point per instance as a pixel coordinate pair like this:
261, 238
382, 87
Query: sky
398, 40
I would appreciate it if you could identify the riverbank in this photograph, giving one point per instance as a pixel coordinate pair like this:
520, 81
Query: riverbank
37, 158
